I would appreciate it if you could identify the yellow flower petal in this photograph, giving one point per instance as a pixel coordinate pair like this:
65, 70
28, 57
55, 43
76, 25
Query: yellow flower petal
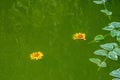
79, 36
36, 55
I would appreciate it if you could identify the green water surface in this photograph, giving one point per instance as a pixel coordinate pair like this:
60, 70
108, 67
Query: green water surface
27, 26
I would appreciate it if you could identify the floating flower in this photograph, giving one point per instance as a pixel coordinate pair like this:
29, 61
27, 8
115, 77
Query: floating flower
79, 36
36, 55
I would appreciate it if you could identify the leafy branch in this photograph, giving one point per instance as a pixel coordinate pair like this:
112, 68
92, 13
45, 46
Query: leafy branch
105, 10
108, 50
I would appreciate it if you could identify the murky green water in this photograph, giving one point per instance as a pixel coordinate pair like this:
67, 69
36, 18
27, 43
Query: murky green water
27, 26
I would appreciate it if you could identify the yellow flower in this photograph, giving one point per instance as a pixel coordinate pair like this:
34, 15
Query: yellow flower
79, 36
36, 55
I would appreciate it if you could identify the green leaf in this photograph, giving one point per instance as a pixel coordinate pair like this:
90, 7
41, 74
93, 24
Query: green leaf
108, 46
99, 1
112, 55
115, 45
101, 52
104, 1
99, 37
95, 60
113, 33
115, 24
98, 62
107, 12
118, 38
102, 64
109, 28
115, 79
118, 33
117, 50
115, 73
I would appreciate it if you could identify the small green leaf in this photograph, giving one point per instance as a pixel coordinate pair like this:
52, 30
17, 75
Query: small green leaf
102, 64
99, 37
115, 73
98, 62
118, 33
115, 79
114, 44
115, 24
107, 12
104, 1
113, 33
118, 38
101, 52
112, 55
95, 60
117, 50
109, 28
99, 1
107, 46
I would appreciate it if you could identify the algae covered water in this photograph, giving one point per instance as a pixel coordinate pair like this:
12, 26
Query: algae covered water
47, 27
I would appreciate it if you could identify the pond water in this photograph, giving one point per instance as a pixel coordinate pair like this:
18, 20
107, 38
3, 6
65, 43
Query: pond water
27, 26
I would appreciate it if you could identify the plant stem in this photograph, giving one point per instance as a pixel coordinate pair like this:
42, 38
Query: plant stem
98, 41
105, 6
107, 35
91, 41
109, 17
102, 61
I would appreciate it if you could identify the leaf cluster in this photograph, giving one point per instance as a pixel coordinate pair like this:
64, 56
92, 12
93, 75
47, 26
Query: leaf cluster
108, 50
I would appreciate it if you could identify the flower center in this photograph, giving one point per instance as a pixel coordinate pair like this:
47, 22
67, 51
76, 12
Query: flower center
80, 36
36, 55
